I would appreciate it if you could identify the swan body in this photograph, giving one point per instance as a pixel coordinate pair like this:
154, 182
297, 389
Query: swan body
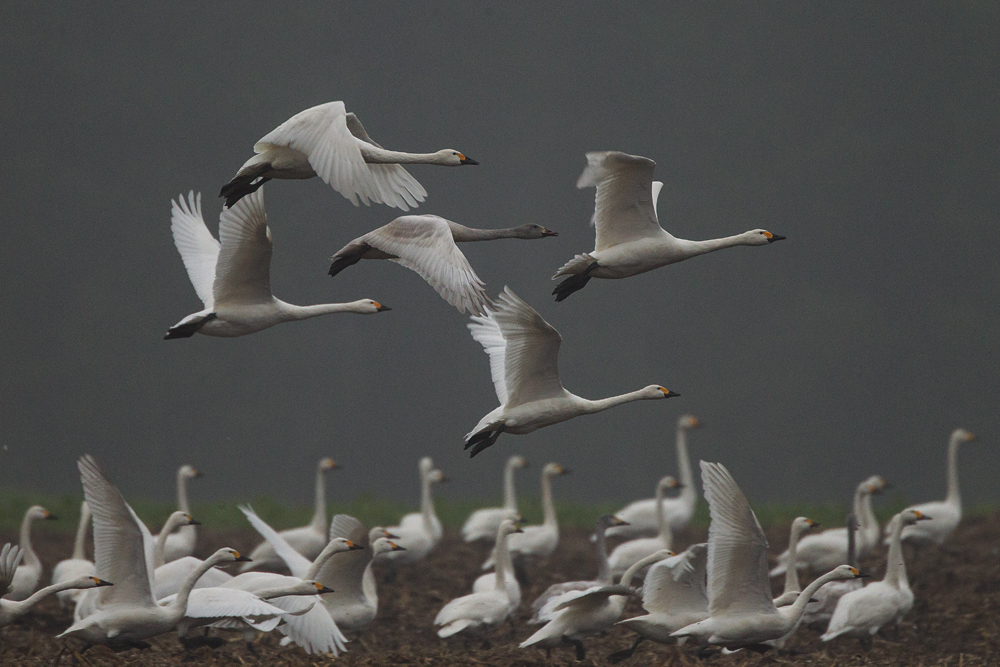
482, 524
233, 278
182, 543
827, 597
641, 514
418, 533
426, 244
630, 239
627, 553
76, 566
29, 572
524, 353
327, 141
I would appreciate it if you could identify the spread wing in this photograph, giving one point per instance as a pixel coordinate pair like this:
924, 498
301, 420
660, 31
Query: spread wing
737, 549
10, 558
198, 248
296, 562
486, 332
243, 274
623, 207
677, 584
343, 572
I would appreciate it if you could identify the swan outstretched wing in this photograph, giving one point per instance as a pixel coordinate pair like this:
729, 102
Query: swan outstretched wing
198, 248
315, 631
243, 274
330, 140
424, 244
677, 583
226, 603
737, 549
623, 207
10, 558
296, 562
486, 332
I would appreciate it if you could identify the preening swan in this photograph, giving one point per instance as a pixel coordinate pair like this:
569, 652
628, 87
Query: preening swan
29, 573
630, 239
77, 565
419, 532
524, 354
233, 278
327, 141
627, 553
641, 515
426, 244
482, 524
182, 543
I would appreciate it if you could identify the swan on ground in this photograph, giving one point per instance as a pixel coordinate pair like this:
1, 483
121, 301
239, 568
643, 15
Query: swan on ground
481, 611
11, 610
419, 532
827, 596
792, 586
233, 278
627, 553
307, 540
125, 614
630, 239
742, 612
604, 578
426, 244
862, 612
487, 582
77, 565
482, 524
524, 354
824, 551
176, 520
327, 141
947, 513
579, 614
182, 542
673, 595
641, 515
29, 573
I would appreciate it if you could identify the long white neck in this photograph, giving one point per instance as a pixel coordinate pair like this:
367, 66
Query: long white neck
601, 404
603, 566
182, 496
20, 608
24, 541
548, 508
463, 234
509, 499
666, 537
895, 569
178, 605
293, 312
318, 522
689, 494
791, 571
711, 245
80, 544
427, 501
852, 529
376, 155
161, 541
793, 612
953, 495
504, 563
326, 554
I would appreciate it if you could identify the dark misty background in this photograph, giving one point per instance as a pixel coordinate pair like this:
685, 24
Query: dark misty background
868, 135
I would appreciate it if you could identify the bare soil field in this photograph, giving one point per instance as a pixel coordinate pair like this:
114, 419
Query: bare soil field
955, 621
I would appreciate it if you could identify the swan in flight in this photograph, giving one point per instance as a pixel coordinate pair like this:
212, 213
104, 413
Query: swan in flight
426, 244
307, 540
862, 612
232, 276
327, 141
827, 597
945, 515
29, 572
77, 565
627, 553
524, 354
482, 524
742, 612
641, 514
630, 239
419, 532
11, 610
182, 542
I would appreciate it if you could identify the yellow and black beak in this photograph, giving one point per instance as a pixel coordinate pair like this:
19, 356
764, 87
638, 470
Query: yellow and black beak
351, 546
771, 238
466, 160
858, 574
192, 521
621, 522
668, 394
321, 589
101, 582
49, 516
240, 558
390, 535
379, 308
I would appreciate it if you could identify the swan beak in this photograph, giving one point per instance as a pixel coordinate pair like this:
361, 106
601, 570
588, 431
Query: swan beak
396, 547
101, 582
668, 394
355, 547
858, 574
193, 522
621, 522
921, 516
564, 471
240, 558
444, 480
322, 590
549, 232
813, 600
49, 516
518, 529
814, 524
466, 160
390, 535
379, 308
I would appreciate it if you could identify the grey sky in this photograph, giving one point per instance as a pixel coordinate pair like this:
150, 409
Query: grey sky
868, 135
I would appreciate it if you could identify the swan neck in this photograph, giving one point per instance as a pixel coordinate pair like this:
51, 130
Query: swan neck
318, 522
711, 245
307, 312
427, 502
794, 612
24, 541
612, 401
895, 569
178, 605
376, 155
463, 234
160, 545
603, 566
503, 562
80, 544
182, 498
509, 498
954, 497
661, 518
852, 546
688, 493
548, 508
792, 584
38, 595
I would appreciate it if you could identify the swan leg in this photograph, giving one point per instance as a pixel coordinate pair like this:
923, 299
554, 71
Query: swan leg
581, 652
520, 573
188, 329
482, 440
618, 656
574, 283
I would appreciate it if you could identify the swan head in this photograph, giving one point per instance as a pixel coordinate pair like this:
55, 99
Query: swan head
874, 485
848, 572
90, 582
656, 391
961, 435
317, 588
802, 524
688, 422
37, 512
426, 465
609, 521
532, 231
438, 477
508, 527
384, 545
452, 158
227, 555
367, 307
761, 237
669, 482
328, 464
554, 470
517, 461
341, 544
189, 472
912, 516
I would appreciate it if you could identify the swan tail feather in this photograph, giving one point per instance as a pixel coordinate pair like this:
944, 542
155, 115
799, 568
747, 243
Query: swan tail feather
241, 186
348, 256
187, 329
482, 440
574, 266
574, 283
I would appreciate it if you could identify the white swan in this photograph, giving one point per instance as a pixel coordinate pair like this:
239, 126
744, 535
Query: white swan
482, 524
792, 586
233, 278
29, 573
307, 540
604, 578
862, 612
182, 543
487, 582
482, 610
641, 514
627, 553
11, 610
742, 613
77, 565
418, 533
541, 540
579, 614
630, 239
827, 597
426, 244
327, 141
126, 613
176, 520
946, 514
524, 354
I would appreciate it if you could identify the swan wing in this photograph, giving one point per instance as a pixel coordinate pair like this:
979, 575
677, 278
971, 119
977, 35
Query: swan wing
737, 549
296, 562
120, 554
315, 631
226, 603
677, 584
424, 244
198, 248
623, 207
243, 274
355, 127
343, 572
486, 332
10, 558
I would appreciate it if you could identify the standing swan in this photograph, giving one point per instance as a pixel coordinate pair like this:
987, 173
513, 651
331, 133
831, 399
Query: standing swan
630, 239
627, 553
29, 573
76, 566
232, 276
419, 532
482, 524
329, 142
182, 542
792, 586
426, 244
946, 514
524, 355
829, 595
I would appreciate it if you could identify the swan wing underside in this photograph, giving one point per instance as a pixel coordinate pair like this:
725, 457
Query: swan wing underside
342, 572
296, 562
486, 332
198, 248
737, 549
623, 207
531, 354
677, 583
243, 275
424, 244
358, 130
10, 558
